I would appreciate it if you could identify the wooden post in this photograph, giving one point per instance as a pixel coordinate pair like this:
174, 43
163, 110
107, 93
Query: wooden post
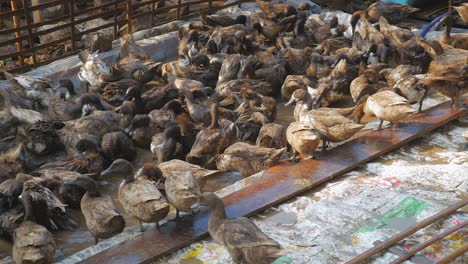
153, 6
179, 2
30, 33
16, 23
115, 19
71, 6
394, 239
129, 16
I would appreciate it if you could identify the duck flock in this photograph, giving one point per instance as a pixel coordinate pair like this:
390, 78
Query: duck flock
213, 109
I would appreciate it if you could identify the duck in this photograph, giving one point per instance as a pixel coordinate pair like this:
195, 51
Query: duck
37, 89
388, 106
463, 12
93, 72
61, 183
10, 219
209, 142
303, 139
458, 41
164, 117
13, 162
222, 20
48, 210
234, 86
331, 125
102, 218
248, 159
32, 242
367, 83
61, 110
140, 198
272, 10
90, 163
296, 82
336, 86
10, 190
43, 137
166, 149
177, 166
183, 192
244, 241
272, 135
303, 101
199, 113
151, 172
393, 12
114, 93
141, 131
116, 145
397, 36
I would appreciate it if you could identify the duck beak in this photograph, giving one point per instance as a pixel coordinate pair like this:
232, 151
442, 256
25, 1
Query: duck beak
106, 172
292, 100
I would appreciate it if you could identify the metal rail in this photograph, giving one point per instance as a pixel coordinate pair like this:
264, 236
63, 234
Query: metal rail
121, 12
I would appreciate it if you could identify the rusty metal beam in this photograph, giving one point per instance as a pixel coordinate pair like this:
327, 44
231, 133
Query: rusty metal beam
278, 184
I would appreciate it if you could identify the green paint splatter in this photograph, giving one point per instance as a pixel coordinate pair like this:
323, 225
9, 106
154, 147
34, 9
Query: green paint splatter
406, 208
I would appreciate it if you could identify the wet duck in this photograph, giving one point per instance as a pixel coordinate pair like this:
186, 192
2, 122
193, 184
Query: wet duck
89, 162
336, 86
248, 159
116, 145
303, 139
94, 71
388, 106
141, 198
272, 135
367, 83
296, 82
396, 35
222, 20
166, 150
330, 125
463, 12
244, 241
176, 166
61, 183
183, 191
209, 142
69, 110
37, 89
101, 215
458, 41
141, 131
393, 12
32, 243
12, 163
47, 208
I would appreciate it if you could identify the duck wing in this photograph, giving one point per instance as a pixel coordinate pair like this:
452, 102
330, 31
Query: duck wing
243, 233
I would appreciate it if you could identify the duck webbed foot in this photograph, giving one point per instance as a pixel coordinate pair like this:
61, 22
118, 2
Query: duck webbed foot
324, 145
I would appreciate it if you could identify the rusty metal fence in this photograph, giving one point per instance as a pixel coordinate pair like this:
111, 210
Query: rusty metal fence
120, 14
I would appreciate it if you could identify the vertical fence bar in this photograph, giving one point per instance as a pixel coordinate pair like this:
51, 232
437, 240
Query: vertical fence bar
115, 18
239, 3
30, 33
129, 16
16, 23
210, 4
179, 2
71, 5
153, 5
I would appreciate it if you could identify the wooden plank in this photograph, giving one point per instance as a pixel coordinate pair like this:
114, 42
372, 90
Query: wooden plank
278, 184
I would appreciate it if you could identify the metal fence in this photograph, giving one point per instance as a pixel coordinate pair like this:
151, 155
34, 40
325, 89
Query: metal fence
121, 13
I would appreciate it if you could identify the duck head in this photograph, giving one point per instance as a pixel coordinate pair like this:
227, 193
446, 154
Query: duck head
355, 18
88, 184
241, 20
131, 93
151, 171
297, 96
43, 137
120, 167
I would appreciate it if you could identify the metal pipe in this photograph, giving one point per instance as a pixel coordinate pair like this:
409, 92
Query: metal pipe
429, 242
19, 44
394, 239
